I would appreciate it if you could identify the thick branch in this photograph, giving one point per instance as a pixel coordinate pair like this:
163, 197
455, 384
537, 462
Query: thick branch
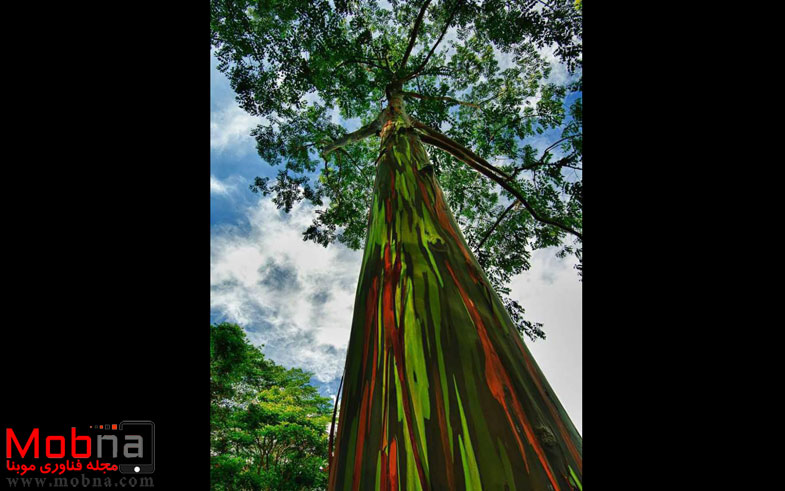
433, 48
437, 98
370, 129
454, 149
461, 149
413, 35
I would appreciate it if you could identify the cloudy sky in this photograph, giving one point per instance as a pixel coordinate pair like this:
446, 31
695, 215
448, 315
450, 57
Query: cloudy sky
296, 297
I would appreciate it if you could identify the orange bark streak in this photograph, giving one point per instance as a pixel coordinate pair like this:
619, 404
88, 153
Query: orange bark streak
388, 313
425, 196
444, 221
393, 466
392, 185
370, 314
497, 378
358, 450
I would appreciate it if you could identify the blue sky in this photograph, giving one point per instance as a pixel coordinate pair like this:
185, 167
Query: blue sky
296, 297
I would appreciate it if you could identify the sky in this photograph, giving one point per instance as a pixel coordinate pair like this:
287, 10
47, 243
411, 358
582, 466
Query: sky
296, 298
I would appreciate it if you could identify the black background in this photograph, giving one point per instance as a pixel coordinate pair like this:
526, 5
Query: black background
105, 223
106, 226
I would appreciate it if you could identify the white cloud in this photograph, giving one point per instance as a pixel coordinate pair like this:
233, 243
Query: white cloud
293, 296
219, 187
559, 74
230, 129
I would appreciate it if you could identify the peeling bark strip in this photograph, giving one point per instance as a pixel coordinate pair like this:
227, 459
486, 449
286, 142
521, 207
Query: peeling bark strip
440, 392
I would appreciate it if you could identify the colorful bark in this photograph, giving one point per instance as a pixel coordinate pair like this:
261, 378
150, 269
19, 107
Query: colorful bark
440, 391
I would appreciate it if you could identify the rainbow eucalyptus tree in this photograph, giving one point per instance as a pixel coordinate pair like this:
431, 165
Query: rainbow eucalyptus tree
438, 184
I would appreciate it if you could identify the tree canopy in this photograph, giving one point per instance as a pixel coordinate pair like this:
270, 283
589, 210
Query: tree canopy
268, 426
475, 85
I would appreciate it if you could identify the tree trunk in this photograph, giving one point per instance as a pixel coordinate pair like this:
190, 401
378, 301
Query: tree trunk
440, 392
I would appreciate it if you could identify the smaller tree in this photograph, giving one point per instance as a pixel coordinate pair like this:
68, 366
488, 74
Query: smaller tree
268, 425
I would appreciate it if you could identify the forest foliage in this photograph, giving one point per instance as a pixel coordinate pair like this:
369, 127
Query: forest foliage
268, 425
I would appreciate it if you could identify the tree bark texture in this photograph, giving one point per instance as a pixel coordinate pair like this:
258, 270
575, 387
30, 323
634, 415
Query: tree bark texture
440, 392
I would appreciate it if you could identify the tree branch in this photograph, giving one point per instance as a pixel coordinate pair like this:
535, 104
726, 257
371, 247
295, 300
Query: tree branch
370, 129
383, 56
440, 71
433, 48
437, 98
561, 162
433, 137
355, 165
556, 143
493, 227
457, 147
363, 61
413, 35
327, 182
